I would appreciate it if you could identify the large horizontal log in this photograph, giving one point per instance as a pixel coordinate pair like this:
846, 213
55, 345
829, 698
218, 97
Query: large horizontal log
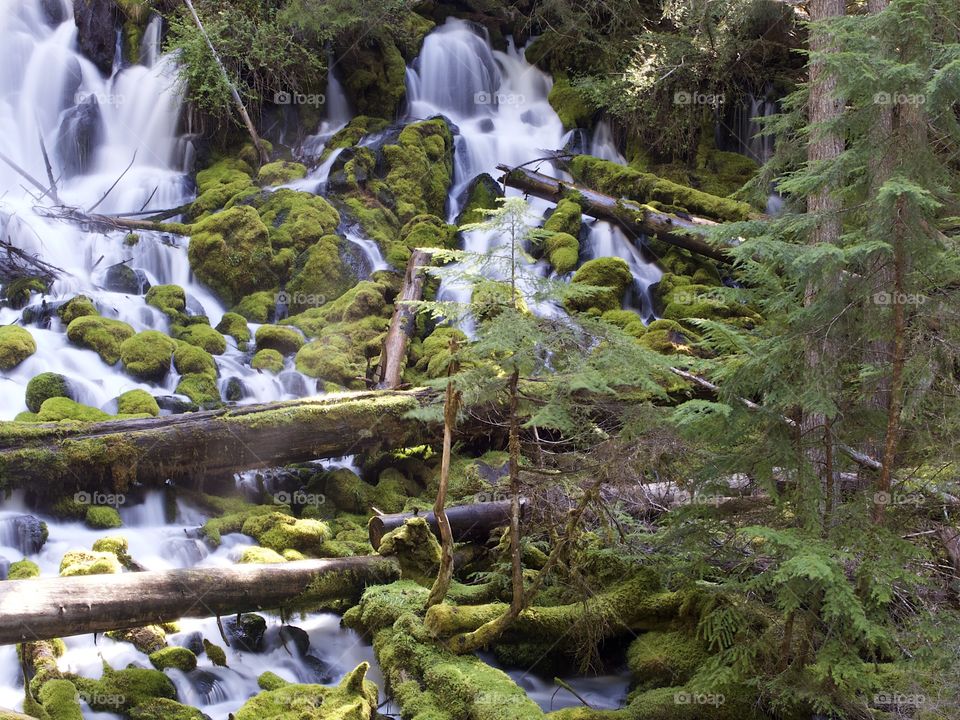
635, 219
211, 444
45, 608
467, 522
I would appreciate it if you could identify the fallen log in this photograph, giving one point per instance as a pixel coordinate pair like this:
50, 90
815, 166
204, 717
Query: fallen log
393, 358
52, 457
634, 218
46, 608
467, 522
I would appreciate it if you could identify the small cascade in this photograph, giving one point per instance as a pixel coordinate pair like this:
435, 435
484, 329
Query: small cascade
150, 43
739, 130
337, 113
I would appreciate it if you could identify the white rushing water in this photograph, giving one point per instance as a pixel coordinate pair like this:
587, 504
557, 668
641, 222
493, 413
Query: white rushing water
99, 128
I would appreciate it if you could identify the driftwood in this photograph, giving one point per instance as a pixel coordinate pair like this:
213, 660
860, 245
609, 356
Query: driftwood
467, 522
15, 263
635, 219
106, 223
46, 608
393, 358
212, 444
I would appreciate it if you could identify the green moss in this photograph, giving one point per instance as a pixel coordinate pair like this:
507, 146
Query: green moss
17, 292
231, 253
146, 639
102, 517
566, 218
174, 657
61, 408
420, 168
374, 73
269, 360
482, 194
116, 545
216, 653
571, 105
626, 320
659, 659
609, 278
123, 690
258, 555
147, 355
16, 345
346, 491
23, 570
354, 131
271, 681
620, 181
428, 231
415, 546
284, 340
202, 336
169, 299
434, 355
250, 155
235, 325
257, 307
165, 709
232, 522
563, 251
88, 562
279, 532
220, 183
189, 359
102, 335
355, 698
78, 306
59, 700
280, 172
137, 402
200, 388
45, 386
297, 220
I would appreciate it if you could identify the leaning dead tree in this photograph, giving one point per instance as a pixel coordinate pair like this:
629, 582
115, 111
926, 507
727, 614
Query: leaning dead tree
634, 218
393, 358
46, 608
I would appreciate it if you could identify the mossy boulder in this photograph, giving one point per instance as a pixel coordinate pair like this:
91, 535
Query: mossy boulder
374, 75
626, 320
297, 220
45, 386
416, 548
355, 698
216, 653
280, 172
223, 181
202, 336
171, 300
420, 168
123, 690
147, 639
231, 253
174, 657
269, 360
137, 402
78, 306
165, 709
433, 355
235, 325
16, 345
116, 545
102, 335
665, 658
608, 279
279, 532
563, 251
89, 562
102, 517
571, 104
147, 355
428, 231
59, 700
258, 307
190, 359
201, 389
565, 218
285, 340
346, 491
353, 132
482, 194
23, 570
260, 555
60, 408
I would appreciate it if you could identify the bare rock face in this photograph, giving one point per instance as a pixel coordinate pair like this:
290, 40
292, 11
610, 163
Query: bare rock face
97, 22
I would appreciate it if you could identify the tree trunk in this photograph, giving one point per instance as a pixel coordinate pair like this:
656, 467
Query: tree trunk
393, 359
468, 523
451, 407
60, 457
45, 608
632, 217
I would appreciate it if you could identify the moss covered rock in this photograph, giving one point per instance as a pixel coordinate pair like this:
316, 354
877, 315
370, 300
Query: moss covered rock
59, 700
258, 307
280, 172
78, 306
482, 194
571, 105
420, 168
433, 355
355, 698
174, 657
297, 220
137, 402
102, 517
16, 345
165, 709
284, 340
563, 251
415, 546
146, 639
45, 386
100, 334
23, 570
200, 388
123, 690
216, 653
235, 325
221, 182
60, 408
116, 545
202, 336
147, 355
269, 360
169, 299
279, 532
608, 278
669, 658
257, 555
89, 562
189, 359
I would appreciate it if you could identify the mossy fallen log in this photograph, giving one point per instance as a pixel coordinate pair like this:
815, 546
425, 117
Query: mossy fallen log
43, 608
688, 233
53, 458
467, 522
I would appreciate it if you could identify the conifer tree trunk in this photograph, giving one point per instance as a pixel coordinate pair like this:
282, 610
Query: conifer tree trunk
451, 405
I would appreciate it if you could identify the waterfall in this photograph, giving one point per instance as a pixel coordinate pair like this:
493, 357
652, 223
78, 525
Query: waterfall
739, 130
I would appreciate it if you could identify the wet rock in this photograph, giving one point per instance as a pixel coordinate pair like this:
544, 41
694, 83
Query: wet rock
193, 642
78, 137
294, 637
234, 390
486, 125
24, 532
53, 11
41, 315
173, 405
246, 632
314, 670
97, 22
122, 278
